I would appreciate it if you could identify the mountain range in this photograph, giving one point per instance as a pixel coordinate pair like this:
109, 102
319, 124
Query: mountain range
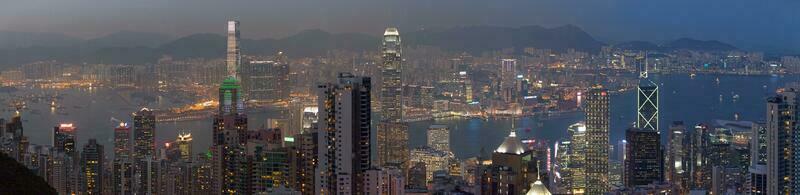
129, 47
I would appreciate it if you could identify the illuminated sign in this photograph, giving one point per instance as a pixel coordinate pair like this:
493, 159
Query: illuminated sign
288, 139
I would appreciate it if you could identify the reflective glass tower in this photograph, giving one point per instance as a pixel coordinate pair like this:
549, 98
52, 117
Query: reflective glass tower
647, 103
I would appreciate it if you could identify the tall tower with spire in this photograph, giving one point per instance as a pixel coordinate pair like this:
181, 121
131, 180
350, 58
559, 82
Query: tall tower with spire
234, 57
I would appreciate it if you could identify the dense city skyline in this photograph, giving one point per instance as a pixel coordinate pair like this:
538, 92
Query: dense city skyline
472, 110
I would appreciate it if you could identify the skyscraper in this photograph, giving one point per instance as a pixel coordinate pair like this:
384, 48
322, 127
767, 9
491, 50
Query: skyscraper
643, 164
571, 160
781, 133
234, 56
92, 168
647, 105
392, 138
229, 138
677, 154
184, 142
511, 166
121, 167
144, 149
391, 77
597, 125
344, 133
439, 137
65, 173
757, 172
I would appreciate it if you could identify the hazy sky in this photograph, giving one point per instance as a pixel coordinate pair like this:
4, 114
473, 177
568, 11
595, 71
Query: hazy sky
745, 23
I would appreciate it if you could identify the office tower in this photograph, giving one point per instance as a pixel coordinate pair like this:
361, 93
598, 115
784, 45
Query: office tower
64, 139
344, 134
392, 142
597, 124
122, 172
677, 162
571, 160
234, 56
184, 142
268, 168
699, 157
229, 139
643, 164
265, 81
510, 166
439, 137
392, 138
65, 165
757, 172
781, 133
92, 161
384, 181
144, 149
435, 160
391, 77
507, 79
647, 104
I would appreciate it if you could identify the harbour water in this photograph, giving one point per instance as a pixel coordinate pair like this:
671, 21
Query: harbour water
692, 100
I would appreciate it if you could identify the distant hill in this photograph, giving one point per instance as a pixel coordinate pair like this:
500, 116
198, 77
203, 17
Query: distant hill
129, 39
679, 44
693, 44
18, 179
13, 40
638, 46
477, 39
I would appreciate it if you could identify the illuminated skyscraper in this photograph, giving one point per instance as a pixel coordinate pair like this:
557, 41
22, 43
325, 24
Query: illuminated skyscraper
234, 56
144, 149
64, 139
184, 142
781, 135
434, 160
391, 77
757, 172
647, 105
121, 167
677, 156
510, 167
65, 168
439, 137
229, 138
344, 133
392, 138
92, 168
597, 125
571, 160
507, 74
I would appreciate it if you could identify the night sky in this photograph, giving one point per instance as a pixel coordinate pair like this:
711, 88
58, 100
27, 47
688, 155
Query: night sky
758, 25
